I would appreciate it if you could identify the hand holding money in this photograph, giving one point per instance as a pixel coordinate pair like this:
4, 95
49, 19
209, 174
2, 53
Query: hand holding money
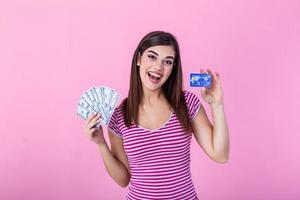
100, 100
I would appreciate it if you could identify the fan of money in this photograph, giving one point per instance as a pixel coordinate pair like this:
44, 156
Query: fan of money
99, 99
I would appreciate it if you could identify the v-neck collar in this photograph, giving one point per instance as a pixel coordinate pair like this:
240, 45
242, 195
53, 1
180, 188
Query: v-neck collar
157, 129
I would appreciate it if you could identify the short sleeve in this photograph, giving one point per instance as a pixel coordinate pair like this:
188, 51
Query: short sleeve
113, 124
193, 104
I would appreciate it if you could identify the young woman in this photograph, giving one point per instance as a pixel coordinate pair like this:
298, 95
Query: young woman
150, 131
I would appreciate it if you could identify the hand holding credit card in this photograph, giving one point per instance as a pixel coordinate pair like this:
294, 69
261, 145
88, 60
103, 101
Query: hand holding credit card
100, 99
200, 80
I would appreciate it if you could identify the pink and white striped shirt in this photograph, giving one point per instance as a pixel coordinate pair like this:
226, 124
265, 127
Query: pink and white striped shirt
159, 160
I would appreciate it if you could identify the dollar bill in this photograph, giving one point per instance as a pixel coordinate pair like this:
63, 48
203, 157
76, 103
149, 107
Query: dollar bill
98, 99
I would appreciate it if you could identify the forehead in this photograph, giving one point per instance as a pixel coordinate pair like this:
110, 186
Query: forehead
162, 50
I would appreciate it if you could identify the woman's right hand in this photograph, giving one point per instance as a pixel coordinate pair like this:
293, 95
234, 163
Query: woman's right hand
95, 135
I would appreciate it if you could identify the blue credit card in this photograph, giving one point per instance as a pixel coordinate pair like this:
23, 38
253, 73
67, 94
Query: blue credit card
200, 80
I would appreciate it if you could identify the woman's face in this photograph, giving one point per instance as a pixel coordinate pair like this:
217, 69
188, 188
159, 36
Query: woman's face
156, 65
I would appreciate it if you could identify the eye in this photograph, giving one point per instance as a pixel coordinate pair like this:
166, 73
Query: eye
168, 62
151, 57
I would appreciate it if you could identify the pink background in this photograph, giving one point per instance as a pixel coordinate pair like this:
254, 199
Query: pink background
51, 51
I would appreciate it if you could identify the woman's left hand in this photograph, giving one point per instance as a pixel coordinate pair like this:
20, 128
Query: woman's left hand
212, 95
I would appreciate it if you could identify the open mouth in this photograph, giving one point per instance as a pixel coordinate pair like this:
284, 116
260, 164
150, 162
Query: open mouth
154, 76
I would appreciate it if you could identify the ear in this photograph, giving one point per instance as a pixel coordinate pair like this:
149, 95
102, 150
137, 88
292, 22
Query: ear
138, 62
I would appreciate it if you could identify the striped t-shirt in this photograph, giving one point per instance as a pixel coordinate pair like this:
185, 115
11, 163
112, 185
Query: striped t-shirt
159, 160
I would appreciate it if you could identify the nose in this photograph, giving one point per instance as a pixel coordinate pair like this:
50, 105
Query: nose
159, 64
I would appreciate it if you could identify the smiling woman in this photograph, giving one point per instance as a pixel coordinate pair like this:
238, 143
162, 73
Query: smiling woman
150, 131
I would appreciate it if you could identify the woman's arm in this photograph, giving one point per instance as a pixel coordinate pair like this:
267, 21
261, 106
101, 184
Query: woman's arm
214, 139
114, 167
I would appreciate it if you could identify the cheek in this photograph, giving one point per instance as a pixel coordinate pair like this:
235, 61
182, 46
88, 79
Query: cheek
142, 72
145, 61
168, 70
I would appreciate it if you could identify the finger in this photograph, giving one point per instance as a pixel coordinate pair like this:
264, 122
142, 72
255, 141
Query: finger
91, 131
90, 118
213, 81
94, 123
202, 91
212, 74
218, 76
205, 71
202, 71
96, 118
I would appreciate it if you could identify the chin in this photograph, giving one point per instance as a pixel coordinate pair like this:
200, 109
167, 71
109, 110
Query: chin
151, 87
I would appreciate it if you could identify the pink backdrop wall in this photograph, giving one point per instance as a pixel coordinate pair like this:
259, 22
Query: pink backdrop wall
51, 51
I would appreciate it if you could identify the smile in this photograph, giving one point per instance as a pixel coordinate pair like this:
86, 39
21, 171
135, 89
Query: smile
154, 75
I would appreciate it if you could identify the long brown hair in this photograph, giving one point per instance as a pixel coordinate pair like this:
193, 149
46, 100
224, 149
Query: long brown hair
172, 88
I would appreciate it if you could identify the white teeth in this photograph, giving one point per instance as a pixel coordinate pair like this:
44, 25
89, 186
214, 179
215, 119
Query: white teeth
156, 75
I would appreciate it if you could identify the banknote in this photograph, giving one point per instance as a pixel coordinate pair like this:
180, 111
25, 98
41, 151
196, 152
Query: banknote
98, 99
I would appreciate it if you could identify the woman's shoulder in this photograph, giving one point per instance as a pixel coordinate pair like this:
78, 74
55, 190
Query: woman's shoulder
193, 103
188, 94
119, 108
190, 98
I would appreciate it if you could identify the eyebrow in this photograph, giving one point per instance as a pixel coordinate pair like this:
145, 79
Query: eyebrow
157, 54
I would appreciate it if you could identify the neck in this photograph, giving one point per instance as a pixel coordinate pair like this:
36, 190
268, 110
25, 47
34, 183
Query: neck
150, 97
